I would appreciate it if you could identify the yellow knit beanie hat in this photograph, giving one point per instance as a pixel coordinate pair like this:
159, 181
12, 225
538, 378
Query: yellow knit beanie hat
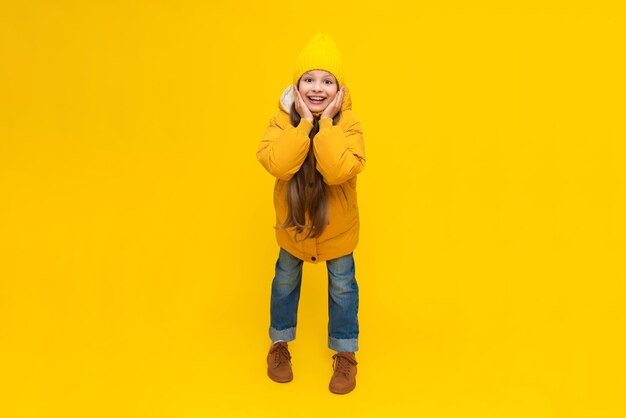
320, 53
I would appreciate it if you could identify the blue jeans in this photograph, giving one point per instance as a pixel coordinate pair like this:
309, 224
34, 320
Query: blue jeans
343, 301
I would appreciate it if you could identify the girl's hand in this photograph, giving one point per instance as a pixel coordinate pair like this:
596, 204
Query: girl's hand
301, 107
335, 106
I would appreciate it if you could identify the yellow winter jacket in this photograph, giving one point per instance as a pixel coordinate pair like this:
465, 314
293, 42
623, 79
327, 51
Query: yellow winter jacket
340, 154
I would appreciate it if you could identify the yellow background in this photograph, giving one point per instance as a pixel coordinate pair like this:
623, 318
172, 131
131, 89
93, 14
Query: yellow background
136, 240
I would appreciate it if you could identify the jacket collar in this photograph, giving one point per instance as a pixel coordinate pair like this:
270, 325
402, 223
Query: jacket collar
286, 100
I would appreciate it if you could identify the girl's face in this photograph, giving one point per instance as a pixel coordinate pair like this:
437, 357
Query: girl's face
317, 84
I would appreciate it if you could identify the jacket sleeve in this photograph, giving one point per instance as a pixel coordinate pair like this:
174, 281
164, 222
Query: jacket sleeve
339, 151
284, 147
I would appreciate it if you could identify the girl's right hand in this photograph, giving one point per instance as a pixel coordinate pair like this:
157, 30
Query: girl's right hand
301, 107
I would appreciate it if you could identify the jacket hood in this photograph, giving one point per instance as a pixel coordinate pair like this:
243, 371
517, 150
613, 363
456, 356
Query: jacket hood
286, 100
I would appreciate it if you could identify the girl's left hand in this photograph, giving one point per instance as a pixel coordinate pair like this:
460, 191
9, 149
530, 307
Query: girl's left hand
335, 106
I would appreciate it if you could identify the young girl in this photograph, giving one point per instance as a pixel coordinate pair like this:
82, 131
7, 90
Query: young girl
314, 147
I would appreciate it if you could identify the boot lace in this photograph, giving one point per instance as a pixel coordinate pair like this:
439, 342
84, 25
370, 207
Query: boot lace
342, 364
281, 354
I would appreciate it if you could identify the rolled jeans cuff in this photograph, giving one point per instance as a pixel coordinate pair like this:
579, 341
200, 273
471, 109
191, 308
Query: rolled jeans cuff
286, 335
350, 345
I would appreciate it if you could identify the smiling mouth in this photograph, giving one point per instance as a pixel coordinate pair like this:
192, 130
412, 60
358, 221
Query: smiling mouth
316, 99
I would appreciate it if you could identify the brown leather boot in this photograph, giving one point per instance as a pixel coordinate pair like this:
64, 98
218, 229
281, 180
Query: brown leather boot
344, 377
279, 363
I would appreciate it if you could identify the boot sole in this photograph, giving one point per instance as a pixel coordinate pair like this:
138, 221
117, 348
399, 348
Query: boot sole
344, 391
279, 380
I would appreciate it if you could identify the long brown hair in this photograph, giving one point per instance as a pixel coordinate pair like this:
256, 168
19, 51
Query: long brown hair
312, 199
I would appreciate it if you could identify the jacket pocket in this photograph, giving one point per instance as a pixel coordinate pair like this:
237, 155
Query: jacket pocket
345, 199
279, 197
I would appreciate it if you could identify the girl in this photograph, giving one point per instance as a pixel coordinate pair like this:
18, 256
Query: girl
314, 147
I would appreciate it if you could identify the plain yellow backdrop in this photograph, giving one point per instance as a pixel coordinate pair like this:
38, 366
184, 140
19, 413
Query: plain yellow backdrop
136, 240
